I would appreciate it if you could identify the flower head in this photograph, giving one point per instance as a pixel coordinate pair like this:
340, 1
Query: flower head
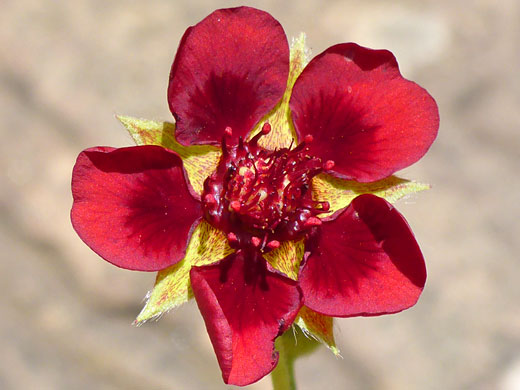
261, 201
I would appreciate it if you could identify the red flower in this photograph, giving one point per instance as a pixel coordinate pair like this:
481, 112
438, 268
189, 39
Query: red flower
144, 208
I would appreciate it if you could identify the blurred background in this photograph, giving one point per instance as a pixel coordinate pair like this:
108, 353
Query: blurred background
66, 67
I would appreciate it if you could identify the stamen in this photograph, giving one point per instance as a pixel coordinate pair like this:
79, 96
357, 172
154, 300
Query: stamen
256, 241
210, 199
308, 139
228, 132
266, 128
274, 244
235, 206
329, 165
313, 221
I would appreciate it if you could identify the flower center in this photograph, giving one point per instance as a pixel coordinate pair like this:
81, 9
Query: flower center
261, 197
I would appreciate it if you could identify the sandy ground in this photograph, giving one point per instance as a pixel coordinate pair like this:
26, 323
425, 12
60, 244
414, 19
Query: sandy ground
66, 67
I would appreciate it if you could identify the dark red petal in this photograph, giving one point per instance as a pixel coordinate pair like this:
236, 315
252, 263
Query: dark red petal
132, 206
245, 307
366, 262
362, 113
230, 70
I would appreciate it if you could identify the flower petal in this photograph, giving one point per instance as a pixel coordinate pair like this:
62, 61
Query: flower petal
366, 262
340, 192
132, 206
318, 326
245, 307
362, 113
230, 70
199, 161
172, 286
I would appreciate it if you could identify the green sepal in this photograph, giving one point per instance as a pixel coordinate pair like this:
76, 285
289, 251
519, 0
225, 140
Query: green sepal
199, 161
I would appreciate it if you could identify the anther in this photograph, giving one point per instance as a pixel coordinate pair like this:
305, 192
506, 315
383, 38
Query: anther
273, 244
329, 164
266, 128
235, 206
256, 241
325, 206
228, 131
232, 237
313, 221
210, 199
308, 139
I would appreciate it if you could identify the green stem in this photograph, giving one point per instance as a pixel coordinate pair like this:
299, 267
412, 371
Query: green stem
283, 375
